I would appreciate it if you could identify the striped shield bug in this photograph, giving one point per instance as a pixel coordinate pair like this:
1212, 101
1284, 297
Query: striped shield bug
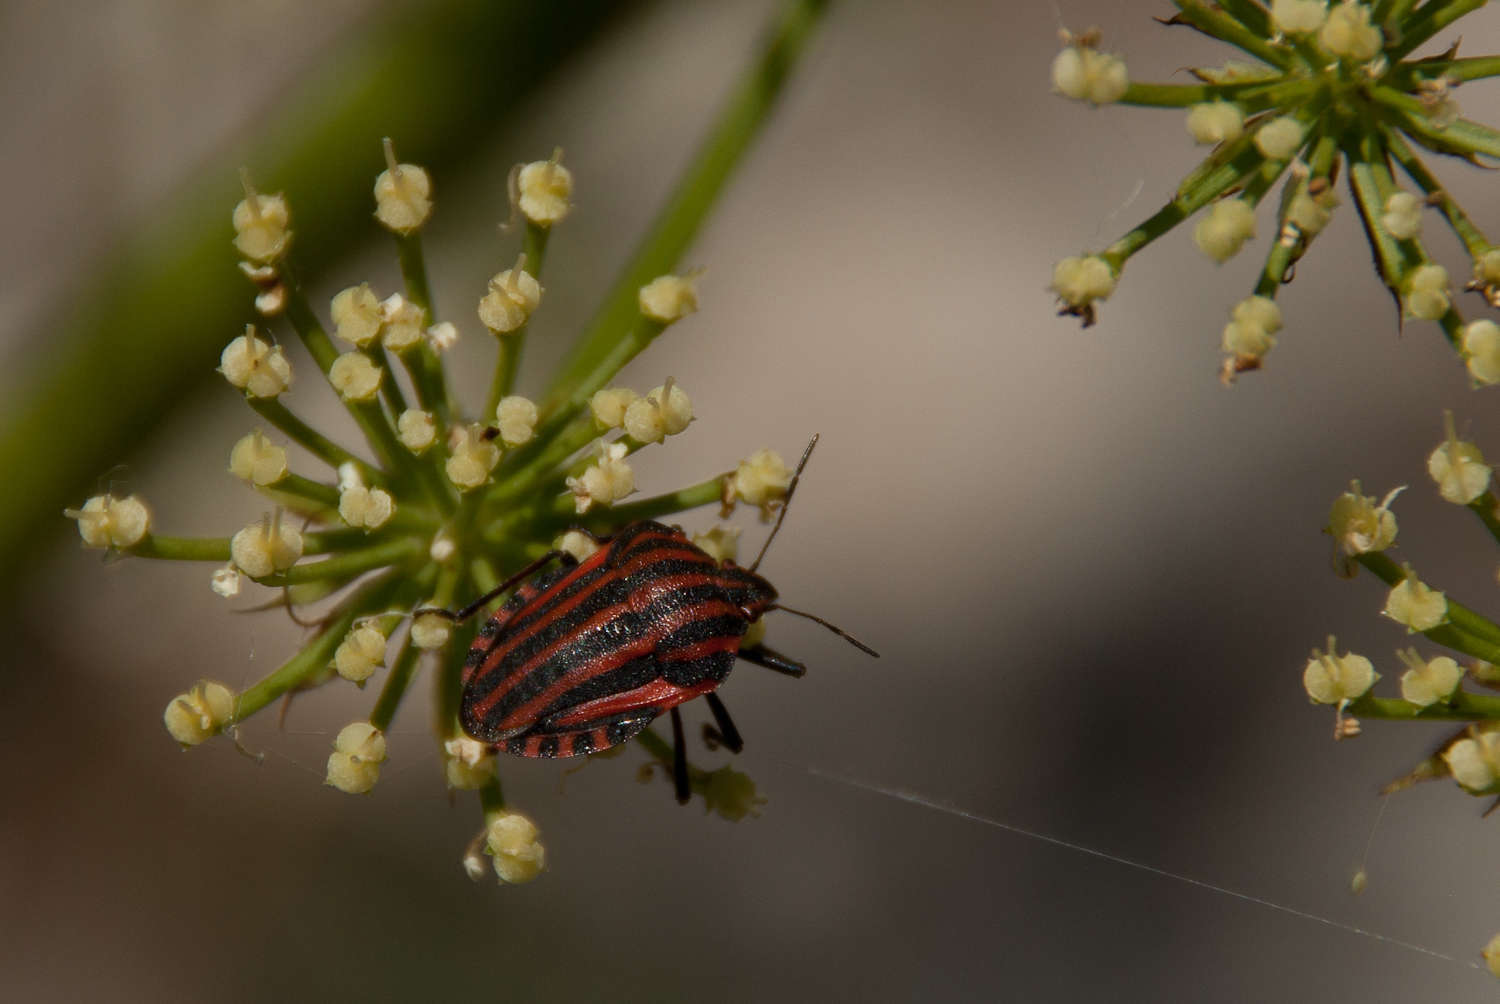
585, 655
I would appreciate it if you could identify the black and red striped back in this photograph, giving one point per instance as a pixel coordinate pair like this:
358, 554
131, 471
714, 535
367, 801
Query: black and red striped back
582, 658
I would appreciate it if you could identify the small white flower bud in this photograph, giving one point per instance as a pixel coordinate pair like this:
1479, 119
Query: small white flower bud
200, 713
358, 752
261, 226
1280, 138
514, 294
402, 194
430, 631
1481, 350
355, 376
1348, 33
255, 366
1427, 292
1487, 267
1330, 678
362, 649
664, 411
105, 521
1425, 682
1301, 17
443, 547
1416, 606
512, 841
1215, 122
356, 314
258, 460
1474, 761
469, 764
668, 298
266, 546
1358, 525
761, 480
577, 543
1311, 213
607, 481
609, 404
1079, 281
1458, 468
543, 189
1402, 218
416, 429
226, 582
1226, 228
442, 336
404, 320
721, 543
1083, 73
1251, 332
370, 508
472, 455
516, 416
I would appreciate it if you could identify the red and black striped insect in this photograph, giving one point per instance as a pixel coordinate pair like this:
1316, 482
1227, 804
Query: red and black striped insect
584, 656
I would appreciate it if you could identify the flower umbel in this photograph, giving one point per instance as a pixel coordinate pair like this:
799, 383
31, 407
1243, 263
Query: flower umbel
1334, 92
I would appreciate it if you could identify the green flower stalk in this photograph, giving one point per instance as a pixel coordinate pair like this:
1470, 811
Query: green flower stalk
441, 504
1329, 89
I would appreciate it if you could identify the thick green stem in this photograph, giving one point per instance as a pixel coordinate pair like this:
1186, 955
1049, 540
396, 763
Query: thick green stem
348, 563
182, 548
678, 222
1252, 95
703, 493
1461, 138
1454, 69
1466, 631
1465, 706
1485, 507
304, 435
1365, 180
1216, 24
1431, 18
394, 688
1474, 241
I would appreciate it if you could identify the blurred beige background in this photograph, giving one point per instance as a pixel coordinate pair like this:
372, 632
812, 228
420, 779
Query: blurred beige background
1094, 574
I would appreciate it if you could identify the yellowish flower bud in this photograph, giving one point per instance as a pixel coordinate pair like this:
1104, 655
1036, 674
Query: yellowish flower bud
1458, 468
761, 480
516, 416
1215, 122
1416, 606
469, 764
609, 404
1348, 33
355, 376
577, 543
1358, 525
664, 411
721, 543
404, 320
543, 189
668, 298
472, 455
1480, 345
362, 649
266, 546
1425, 682
430, 631
1474, 761
512, 841
1402, 218
1330, 678
442, 336
403, 194
1301, 17
1226, 228
1280, 138
356, 315
607, 481
1487, 267
358, 752
258, 460
255, 366
514, 294
416, 429
370, 508
1491, 956
1427, 292
261, 226
1083, 73
1311, 213
1251, 332
200, 713
1079, 281
105, 521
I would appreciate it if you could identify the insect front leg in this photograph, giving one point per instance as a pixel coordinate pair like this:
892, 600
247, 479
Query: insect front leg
679, 760
726, 733
463, 614
772, 659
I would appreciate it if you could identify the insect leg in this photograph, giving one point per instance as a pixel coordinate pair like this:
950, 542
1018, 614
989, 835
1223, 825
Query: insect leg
679, 760
771, 659
459, 616
726, 733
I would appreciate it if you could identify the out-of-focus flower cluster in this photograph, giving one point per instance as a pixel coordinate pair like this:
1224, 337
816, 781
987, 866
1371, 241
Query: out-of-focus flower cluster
1328, 89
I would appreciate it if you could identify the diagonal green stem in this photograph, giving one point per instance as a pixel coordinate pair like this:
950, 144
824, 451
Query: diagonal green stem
1216, 24
1431, 18
1474, 241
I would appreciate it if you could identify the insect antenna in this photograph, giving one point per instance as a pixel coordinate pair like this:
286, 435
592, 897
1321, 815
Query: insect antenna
832, 627
790, 488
